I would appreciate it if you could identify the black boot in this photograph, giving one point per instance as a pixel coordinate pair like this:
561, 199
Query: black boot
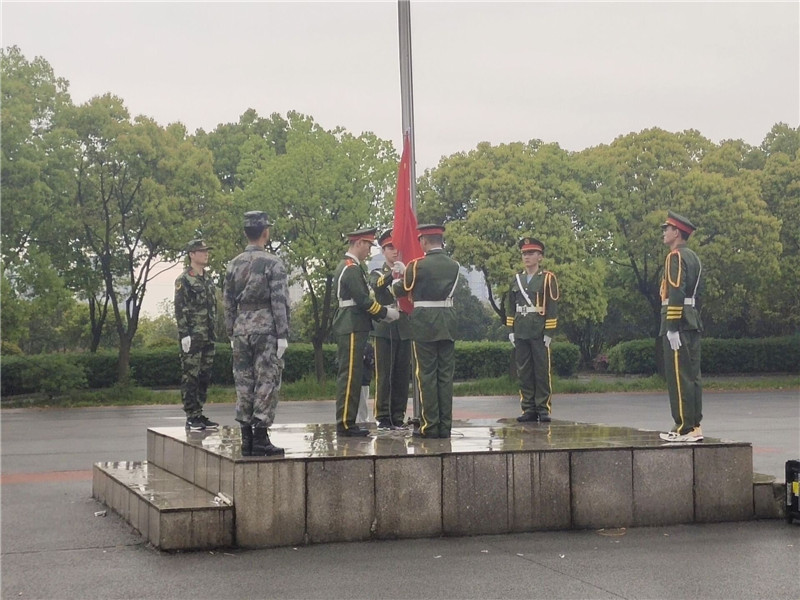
247, 440
261, 444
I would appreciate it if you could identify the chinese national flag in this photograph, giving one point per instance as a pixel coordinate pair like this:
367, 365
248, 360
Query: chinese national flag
404, 232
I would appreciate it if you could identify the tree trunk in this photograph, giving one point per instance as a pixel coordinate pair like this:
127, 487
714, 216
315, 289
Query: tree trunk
124, 360
319, 361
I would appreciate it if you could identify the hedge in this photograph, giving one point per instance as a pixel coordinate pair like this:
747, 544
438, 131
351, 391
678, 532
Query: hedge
759, 355
160, 367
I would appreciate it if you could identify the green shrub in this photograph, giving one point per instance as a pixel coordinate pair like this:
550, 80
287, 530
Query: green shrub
156, 367
635, 357
100, 368
760, 355
53, 375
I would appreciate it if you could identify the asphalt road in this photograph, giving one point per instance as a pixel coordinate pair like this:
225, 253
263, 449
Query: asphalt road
54, 547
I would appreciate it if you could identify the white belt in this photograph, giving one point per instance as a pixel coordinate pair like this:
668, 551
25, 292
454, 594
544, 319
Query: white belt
433, 303
686, 301
346, 303
530, 310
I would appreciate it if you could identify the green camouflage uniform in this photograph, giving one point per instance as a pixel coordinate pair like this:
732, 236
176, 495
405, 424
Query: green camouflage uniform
256, 317
196, 313
351, 326
430, 282
392, 354
679, 313
530, 319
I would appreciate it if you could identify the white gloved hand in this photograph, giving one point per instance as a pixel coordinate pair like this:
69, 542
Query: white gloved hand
392, 314
186, 343
674, 339
283, 343
547, 340
511, 337
231, 344
398, 268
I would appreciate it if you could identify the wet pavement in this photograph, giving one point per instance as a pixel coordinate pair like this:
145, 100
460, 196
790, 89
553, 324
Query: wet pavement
54, 547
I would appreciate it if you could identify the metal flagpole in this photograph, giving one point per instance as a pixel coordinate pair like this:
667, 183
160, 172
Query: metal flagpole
407, 103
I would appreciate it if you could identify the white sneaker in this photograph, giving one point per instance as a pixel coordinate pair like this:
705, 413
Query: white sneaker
695, 435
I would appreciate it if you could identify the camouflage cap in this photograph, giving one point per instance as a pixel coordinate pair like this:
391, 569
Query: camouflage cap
256, 218
198, 244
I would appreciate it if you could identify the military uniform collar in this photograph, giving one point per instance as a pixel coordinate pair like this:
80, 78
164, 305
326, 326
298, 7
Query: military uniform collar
252, 247
432, 250
358, 262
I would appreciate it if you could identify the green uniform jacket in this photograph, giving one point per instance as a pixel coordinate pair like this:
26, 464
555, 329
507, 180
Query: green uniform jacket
380, 281
195, 306
543, 294
360, 308
680, 285
430, 278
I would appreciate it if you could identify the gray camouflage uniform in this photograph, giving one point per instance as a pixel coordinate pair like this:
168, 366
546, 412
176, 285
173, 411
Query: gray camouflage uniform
256, 317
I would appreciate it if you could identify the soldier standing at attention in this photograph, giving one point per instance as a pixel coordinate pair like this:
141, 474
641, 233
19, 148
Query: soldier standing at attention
257, 321
532, 314
196, 313
392, 344
430, 281
351, 326
680, 330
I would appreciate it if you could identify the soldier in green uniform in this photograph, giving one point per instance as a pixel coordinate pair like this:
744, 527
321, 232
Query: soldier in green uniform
351, 326
392, 344
681, 330
430, 282
196, 313
532, 314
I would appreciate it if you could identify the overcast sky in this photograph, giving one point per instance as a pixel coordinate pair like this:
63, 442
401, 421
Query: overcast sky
579, 74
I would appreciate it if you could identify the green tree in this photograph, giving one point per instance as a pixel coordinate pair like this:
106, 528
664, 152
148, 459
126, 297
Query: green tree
141, 192
493, 195
325, 184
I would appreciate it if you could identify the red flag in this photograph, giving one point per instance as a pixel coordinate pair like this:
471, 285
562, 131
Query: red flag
404, 232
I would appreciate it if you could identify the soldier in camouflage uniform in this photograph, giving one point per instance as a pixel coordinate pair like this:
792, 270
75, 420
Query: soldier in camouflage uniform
196, 313
430, 282
351, 326
680, 330
257, 321
532, 314
392, 345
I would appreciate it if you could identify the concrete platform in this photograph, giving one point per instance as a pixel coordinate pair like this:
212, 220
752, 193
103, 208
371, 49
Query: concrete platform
491, 477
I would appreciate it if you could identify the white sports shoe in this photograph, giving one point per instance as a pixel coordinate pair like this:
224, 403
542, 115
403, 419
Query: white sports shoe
695, 435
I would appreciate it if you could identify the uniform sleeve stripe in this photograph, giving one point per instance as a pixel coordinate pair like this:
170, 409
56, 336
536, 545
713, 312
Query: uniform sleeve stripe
509, 321
374, 309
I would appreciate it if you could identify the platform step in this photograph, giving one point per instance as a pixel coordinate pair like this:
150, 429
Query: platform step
170, 512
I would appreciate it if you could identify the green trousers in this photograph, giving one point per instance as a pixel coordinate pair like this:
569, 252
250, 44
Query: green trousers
684, 383
533, 370
392, 375
195, 377
350, 357
434, 366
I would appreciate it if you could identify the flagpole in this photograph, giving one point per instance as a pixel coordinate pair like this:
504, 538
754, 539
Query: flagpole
407, 91
407, 103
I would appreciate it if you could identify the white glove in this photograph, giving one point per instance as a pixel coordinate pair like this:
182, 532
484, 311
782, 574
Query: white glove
398, 268
186, 343
547, 340
511, 337
674, 339
231, 344
283, 343
392, 314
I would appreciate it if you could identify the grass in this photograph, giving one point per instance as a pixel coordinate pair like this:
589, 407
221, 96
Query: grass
309, 389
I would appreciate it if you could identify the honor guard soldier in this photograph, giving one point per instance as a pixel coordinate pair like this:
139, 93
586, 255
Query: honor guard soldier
430, 282
680, 330
351, 326
196, 314
532, 314
392, 344
257, 321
